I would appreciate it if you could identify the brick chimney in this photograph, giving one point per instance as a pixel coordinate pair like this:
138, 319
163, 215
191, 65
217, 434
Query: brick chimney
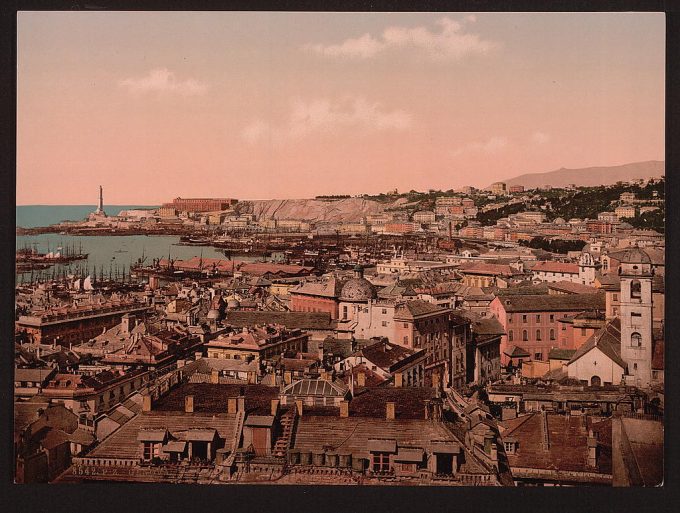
275, 407
298, 405
390, 410
189, 404
214, 377
399, 380
287, 377
241, 403
146, 403
344, 409
361, 379
231, 405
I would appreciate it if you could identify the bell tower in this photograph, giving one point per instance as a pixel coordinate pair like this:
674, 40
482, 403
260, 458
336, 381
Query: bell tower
636, 276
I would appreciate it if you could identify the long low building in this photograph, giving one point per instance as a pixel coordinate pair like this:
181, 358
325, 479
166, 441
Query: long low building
76, 324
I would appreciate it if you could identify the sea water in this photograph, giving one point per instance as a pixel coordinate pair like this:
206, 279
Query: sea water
108, 253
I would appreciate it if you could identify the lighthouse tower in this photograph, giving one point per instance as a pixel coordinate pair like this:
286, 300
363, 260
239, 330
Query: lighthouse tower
636, 276
100, 205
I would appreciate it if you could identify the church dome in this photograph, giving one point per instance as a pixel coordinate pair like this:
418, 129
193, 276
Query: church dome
635, 256
358, 289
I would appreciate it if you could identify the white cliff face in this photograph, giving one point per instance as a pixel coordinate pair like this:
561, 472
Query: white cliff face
348, 209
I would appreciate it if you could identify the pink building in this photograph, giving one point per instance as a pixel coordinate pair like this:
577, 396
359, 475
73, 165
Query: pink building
531, 321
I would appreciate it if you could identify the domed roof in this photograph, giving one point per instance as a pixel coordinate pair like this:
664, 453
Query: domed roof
358, 289
635, 256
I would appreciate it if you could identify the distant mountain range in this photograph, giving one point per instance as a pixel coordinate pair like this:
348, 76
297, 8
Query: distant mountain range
591, 176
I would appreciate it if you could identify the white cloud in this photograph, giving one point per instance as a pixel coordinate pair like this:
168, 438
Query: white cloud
451, 41
324, 115
163, 80
540, 138
490, 146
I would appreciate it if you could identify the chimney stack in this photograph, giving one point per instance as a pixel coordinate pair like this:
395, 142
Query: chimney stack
214, 377
390, 410
344, 409
146, 403
287, 377
399, 380
361, 379
298, 405
241, 403
275, 407
189, 404
231, 405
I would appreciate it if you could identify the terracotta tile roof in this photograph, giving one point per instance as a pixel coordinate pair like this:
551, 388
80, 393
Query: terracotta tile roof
212, 398
291, 320
329, 288
416, 308
568, 448
372, 379
516, 352
547, 266
123, 443
352, 435
560, 354
409, 402
552, 303
386, 355
572, 288
488, 269
607, 340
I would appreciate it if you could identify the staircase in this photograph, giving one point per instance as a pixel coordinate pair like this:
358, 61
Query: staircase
287, 425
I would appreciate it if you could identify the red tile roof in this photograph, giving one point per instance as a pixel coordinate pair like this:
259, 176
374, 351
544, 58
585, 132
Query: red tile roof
555, 267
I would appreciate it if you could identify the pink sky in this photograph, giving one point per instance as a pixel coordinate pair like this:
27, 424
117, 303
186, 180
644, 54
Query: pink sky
291, 105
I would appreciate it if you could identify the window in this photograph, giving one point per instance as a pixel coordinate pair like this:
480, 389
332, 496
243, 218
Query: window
538, 334
635, 289
509, 319
384, 311
635, 339
510, 336
406, 325
148, 450
552, 317
381, 462
524, 319
344, 312
635, 319
406, 339
583, 332
615, 297
538, 356
525, 335
635, 366
552, 334
384, 323
538, 317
